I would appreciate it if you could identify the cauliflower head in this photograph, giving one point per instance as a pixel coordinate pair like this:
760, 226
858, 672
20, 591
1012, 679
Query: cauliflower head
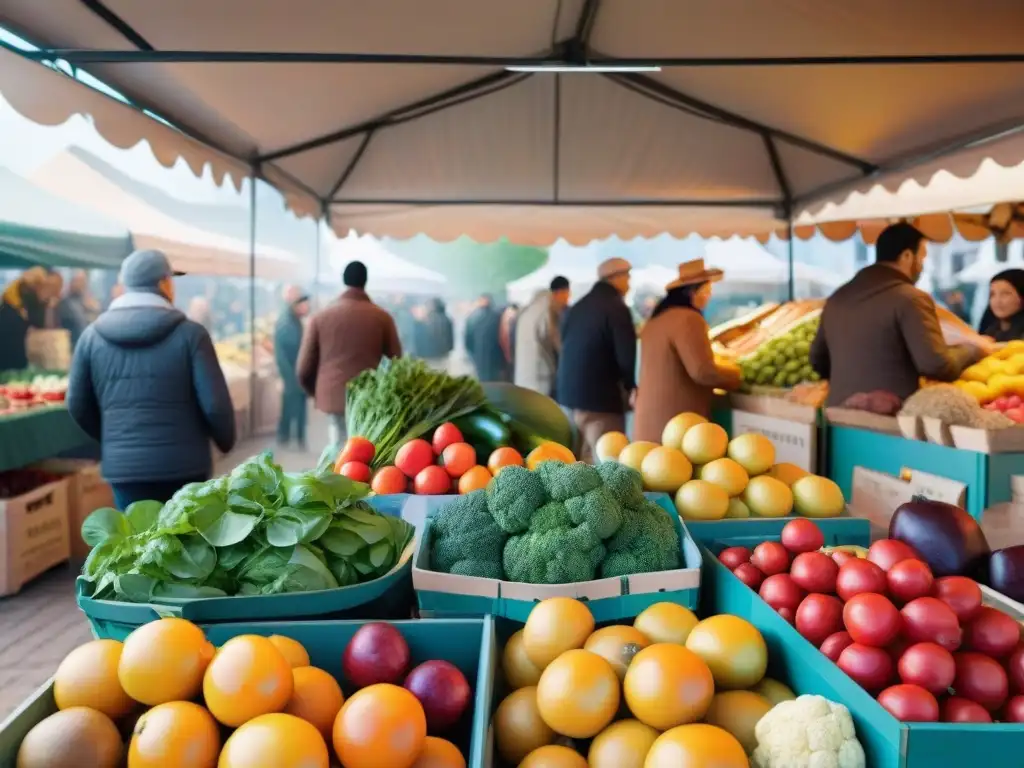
807, 732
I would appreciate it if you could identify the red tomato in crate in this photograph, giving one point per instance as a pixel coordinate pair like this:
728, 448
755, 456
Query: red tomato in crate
961, 594
770, 558
357, 449
908, 580
802, 535
928, 665
356, 470
389, 480
413, 457
885, 553
871, 619
780, 591
910, 703
991, 631
835, 644
841, 557
1015, 669
819, 616
980, 679
815, 572
857, 576
733, 557
871, 668
788, 614
432, 481
1014, 710
929, 620
749, 575
445, 435
458, 458
957, 709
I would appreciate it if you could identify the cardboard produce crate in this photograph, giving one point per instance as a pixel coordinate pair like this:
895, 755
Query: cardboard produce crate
87, 491
33, 534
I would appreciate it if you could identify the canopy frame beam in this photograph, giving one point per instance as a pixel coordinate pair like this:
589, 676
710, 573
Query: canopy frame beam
126, 30
562, 202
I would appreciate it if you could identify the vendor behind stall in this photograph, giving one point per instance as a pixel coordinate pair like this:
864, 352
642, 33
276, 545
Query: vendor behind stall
1004, 317
880, 333
287, 341
22, 306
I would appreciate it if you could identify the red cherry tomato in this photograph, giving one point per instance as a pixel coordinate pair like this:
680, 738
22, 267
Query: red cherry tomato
770, 557
835, 644
928, 665
980, 679
871, 619
991, 631
870, 667
819, 616
815, 572
1015, 669
909, 579
961, 594
957, 709
929, 620
787, 613
432, 481
733, 557
802, 535
780, 591
842, 557
885, 553
910, 703
357, 449
749, 575
1014, 710
856, 576
445, 435
356, 470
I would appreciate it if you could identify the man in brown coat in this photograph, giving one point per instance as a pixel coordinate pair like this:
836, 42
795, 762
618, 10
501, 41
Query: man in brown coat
879, 332
342, 341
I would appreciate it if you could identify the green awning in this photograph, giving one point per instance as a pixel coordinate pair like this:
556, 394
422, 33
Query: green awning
37, 228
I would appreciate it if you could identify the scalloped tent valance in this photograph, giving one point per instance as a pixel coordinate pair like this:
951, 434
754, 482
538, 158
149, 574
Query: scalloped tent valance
399, 117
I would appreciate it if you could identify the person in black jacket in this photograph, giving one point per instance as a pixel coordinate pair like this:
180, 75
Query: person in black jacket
597, 366
434, 338
145, 383
287, 342
482, 339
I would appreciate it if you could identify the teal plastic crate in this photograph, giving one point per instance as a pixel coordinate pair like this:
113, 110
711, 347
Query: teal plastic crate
888, 742
467, 643
743, 531
442, 594
386, 598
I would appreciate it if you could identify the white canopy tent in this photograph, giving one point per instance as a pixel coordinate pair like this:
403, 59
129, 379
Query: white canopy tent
191, 250
386, 273
398, 117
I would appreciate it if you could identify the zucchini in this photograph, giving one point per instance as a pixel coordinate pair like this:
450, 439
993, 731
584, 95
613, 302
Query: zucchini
485, 431
535, 413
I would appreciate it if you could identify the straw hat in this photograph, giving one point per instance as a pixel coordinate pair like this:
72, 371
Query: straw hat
694, 273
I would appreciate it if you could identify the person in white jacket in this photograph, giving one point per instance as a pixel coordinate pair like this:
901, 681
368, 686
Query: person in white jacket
538, 341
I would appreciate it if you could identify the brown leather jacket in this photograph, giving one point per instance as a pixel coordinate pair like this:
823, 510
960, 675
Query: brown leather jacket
879, 332
342, 341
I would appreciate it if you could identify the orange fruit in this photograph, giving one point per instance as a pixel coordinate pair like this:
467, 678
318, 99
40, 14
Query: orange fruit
621, 745
247, 678
439, 753
549, 451
504, 457
88, 678
554, 756
668, 685
316, 698
738, 712
617, 645
292, 650
475, 479
163, 661
519, 670
554, 626
275, 741
666, 623
381, 726
518, 727
733, 649
176, 733
578, 694
696, 746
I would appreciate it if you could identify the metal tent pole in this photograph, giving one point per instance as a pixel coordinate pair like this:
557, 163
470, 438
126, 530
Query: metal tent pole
252, 302
792, 282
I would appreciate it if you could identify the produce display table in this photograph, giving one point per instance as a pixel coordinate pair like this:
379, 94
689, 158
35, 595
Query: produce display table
986, 476
37, 434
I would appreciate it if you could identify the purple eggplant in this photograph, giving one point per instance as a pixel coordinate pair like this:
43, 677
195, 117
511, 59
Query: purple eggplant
1006, 572
945, 535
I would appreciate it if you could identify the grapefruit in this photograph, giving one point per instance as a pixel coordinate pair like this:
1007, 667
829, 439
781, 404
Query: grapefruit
666, 623
665, 470
617, 645
668, 685
697, 746
673, 433
767, 497
554, 626
703, 443
633, 454
610, 445
754, 452
88, 678
787, 473
621, 745
519, 670
247, 678
733, 649
816, 496
316, 698
701, 500
554, 756
164, 660
518, 727
381, 726
77, 736
578, 694
277, 741
176, 733
737, 509
726, 474
292, 650
738, 712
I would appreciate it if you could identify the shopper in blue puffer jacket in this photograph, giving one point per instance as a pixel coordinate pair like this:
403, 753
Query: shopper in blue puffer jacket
146, 383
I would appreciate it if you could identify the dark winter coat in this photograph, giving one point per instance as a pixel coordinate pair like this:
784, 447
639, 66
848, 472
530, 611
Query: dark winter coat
145, 383
287, 341
434, 335
597, 366
482, 333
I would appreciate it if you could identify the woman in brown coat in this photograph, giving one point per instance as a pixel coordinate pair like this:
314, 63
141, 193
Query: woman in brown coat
677, 367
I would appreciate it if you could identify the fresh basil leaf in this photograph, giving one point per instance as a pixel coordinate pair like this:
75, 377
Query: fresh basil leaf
290, 526
134, 587
103, 524
380, 554
229, 529
340, 541
310, 563
143, 514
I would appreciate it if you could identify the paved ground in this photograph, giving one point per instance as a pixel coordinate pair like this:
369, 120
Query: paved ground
42, 623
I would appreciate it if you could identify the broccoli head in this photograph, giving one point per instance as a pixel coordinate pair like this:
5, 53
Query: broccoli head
512, 498
566, 481
625, 484
465, 538
646, 542
553, 550
599, 509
